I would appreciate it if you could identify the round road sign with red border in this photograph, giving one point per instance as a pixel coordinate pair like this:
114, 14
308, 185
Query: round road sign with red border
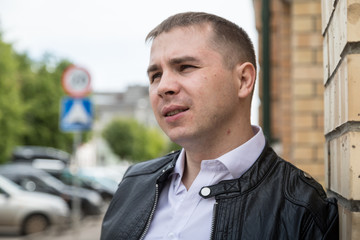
76, 81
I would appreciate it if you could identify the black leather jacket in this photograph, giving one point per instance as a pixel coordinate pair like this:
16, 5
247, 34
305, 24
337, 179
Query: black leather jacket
272, 200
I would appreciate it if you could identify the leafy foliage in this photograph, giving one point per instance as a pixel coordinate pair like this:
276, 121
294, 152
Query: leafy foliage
41, 96
11, 110
133, 141
30, 94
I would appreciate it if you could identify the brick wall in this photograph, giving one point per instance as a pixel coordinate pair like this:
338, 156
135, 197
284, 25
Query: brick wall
315, 91
307, 88
296, 82
341, 44
280, 92
281, 95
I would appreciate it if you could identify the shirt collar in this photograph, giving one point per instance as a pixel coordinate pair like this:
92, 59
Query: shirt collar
238, 160
179, 166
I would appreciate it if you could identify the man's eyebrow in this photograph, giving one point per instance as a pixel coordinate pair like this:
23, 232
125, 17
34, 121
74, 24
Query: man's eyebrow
173, 61
152, 68
179, 60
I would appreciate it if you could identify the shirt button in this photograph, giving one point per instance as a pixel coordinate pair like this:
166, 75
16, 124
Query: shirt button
205, 191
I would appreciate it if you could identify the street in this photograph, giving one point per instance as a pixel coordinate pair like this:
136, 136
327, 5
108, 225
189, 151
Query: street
88, 229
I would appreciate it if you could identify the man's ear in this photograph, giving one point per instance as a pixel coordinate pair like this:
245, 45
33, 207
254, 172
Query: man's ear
246, 75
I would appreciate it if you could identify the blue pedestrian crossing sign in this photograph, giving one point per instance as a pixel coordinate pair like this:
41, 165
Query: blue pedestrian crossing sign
76, 114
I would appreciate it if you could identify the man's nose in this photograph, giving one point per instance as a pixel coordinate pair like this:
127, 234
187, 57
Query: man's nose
168, 85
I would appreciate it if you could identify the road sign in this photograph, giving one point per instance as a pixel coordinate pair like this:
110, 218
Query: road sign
76, 114
76, 81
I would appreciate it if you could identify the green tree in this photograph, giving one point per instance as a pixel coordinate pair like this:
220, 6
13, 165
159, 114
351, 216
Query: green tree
11, 108
41, 93
156, 144
133, 141
30, 94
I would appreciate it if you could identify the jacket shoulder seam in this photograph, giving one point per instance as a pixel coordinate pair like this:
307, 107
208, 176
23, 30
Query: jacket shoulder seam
304, 204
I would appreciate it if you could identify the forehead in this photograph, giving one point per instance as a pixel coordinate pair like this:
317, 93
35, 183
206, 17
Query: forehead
180, 40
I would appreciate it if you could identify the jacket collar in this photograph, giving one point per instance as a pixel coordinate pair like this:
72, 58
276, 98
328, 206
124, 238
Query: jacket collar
250, 179
164, 166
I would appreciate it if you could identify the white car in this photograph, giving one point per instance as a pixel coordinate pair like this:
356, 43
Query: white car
23, 212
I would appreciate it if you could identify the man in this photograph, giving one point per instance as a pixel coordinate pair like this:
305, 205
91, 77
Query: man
226, 182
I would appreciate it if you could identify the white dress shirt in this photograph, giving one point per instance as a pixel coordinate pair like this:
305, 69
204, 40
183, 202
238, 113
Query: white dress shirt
184, 214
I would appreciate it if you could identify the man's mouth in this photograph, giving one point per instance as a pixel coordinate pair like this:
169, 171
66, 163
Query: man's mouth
174, 112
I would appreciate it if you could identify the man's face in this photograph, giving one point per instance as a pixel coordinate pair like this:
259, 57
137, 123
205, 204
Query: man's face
193, 95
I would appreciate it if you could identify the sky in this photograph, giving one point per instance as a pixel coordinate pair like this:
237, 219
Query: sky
106, 37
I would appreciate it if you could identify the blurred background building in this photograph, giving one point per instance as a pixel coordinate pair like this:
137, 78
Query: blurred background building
309, 54
133, 103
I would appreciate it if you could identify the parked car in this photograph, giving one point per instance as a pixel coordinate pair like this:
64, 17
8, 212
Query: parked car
47, 158
93, 178
33, 179
23, 212
29, 153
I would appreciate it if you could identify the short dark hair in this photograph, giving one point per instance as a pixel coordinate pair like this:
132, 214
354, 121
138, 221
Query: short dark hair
234, 42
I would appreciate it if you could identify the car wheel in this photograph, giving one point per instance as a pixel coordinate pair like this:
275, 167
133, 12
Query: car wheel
35, 223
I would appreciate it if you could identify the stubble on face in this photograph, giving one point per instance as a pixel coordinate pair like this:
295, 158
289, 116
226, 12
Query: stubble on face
208, 89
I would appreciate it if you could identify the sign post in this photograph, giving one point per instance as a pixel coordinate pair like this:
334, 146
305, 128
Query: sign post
76, 116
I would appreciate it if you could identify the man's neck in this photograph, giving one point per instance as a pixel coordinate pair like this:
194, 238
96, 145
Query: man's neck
194, 155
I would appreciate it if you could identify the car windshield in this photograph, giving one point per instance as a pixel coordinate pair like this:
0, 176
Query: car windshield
52, 181
9, 186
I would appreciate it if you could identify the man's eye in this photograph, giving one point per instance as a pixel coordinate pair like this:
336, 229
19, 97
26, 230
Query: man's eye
184, 67
155, 77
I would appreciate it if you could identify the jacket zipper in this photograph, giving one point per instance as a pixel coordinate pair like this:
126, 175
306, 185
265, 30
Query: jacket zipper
213, 221
147, 226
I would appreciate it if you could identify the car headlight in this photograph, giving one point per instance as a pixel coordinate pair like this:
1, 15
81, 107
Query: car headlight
95, 199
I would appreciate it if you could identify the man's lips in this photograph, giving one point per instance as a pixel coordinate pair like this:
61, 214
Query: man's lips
171, 111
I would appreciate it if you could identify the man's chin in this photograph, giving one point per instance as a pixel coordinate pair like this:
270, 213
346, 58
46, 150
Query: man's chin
177, 138
179, 135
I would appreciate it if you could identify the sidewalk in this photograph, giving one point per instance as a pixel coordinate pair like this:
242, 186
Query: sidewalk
89, 229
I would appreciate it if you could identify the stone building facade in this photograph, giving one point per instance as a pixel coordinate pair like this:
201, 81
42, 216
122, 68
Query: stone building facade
133, 103
296, 81
341, 31
313, 84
